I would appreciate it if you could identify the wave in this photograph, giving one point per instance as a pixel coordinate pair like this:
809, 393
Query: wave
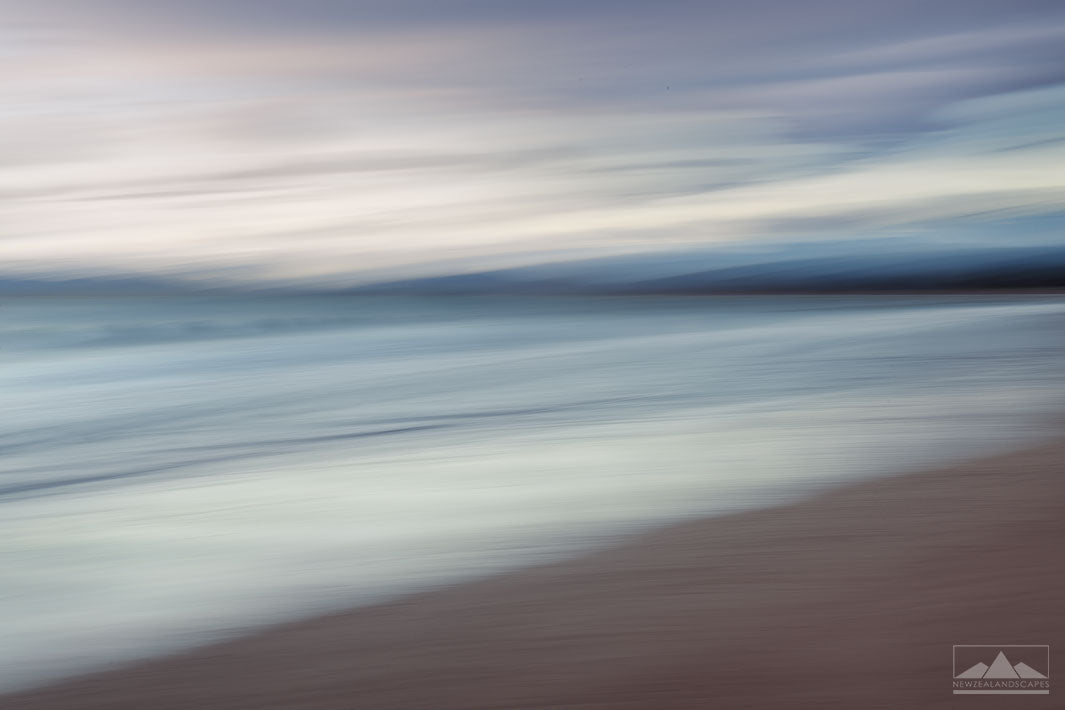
172, 331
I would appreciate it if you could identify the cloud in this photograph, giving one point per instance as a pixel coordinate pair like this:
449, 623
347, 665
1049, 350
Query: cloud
299, 137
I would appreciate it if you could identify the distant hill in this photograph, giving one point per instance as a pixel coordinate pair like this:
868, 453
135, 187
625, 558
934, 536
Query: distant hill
66, 284
811, 267
764, 272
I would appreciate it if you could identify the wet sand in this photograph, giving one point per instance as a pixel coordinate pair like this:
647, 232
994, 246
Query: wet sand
851, 599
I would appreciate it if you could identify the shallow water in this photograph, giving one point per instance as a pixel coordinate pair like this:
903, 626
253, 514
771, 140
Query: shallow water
176, 470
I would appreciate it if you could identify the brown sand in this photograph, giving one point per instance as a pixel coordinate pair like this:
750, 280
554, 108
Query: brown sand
852, 599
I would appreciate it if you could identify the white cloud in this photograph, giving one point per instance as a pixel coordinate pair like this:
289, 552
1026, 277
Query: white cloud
302, 155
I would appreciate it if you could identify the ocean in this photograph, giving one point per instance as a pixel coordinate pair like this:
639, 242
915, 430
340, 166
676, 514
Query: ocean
180, 470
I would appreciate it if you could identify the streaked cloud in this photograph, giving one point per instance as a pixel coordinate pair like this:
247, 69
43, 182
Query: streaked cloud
302, 139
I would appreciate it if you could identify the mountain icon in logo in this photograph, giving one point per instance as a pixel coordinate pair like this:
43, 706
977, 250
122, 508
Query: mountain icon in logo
1000, 669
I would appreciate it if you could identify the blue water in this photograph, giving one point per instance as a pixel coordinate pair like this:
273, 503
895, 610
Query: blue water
178, 470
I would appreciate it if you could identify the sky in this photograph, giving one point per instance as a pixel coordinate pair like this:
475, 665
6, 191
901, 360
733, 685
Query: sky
339, 140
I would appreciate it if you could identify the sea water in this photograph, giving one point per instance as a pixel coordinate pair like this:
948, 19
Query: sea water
178, 470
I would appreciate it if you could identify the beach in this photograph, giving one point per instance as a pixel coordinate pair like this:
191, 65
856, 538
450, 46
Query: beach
853, 597
469, 355
585, 355
181, 472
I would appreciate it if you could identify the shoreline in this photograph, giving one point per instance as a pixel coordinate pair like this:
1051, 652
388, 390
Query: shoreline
851, 598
